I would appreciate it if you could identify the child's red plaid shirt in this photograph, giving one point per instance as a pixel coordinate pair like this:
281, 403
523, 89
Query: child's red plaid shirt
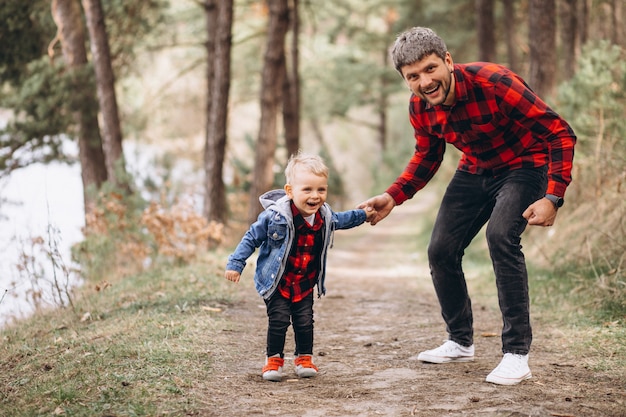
303, 264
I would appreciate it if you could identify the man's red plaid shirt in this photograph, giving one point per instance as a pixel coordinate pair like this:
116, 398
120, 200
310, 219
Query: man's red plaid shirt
497, 122
303, 264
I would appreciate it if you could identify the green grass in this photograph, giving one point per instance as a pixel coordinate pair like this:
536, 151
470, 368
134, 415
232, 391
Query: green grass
141, 349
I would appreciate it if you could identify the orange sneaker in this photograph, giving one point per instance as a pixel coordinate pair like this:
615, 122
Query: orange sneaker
273, 369
305, 367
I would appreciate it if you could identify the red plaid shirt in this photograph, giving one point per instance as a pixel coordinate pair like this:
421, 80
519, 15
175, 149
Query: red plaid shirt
498, 123
303, 264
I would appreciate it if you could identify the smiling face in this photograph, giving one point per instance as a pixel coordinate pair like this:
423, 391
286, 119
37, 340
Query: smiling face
307, 190
431, 79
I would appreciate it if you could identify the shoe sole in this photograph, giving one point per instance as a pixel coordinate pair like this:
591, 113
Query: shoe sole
507, 381
444, 359
306, 373
273, 376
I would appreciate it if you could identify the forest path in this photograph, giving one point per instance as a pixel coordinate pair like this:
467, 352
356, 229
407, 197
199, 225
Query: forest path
379, 313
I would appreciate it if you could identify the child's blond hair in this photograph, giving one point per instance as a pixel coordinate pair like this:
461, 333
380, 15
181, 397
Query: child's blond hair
313, 163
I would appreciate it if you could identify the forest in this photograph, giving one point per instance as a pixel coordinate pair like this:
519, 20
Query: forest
235, 87
217, 94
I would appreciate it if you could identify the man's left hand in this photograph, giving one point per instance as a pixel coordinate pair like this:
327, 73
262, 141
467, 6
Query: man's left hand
541, 213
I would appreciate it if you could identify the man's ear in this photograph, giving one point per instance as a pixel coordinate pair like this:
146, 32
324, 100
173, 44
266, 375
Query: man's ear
449, 62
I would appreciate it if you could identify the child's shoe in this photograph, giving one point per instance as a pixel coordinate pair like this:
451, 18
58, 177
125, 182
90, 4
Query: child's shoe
273, 369
305, 367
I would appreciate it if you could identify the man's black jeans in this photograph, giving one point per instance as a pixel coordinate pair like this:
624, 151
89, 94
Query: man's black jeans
281, 312
469, 202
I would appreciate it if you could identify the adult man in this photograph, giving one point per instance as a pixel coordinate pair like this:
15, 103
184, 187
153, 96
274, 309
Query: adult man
516, 164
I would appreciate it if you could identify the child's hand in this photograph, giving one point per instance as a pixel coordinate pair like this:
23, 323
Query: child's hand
232, 275
370, 213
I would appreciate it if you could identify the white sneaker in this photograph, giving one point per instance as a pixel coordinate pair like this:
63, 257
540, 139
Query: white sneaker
448, 352
512, 370
305, 367
273, 369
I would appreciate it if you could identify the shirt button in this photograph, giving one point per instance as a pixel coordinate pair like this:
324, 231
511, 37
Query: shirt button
275, 235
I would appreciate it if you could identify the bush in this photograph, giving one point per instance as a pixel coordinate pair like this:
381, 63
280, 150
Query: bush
123, 237
586, 250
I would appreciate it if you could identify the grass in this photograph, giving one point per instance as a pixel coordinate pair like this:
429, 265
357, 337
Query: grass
132, 349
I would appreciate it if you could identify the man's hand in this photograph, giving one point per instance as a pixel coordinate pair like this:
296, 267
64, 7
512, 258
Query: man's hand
382, 204
540, 213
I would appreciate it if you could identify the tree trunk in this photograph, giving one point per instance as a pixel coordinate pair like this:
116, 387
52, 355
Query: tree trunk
291, 86
568, 13
485, 24
383, 97
542, 43
71, 31
510, 24
617, 33
584, 21
219, 25
271, 88
111, 129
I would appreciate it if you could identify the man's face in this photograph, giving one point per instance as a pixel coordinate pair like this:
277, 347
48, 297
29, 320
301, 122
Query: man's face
431, 79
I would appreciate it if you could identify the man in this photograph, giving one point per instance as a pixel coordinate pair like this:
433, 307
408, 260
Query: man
516, 163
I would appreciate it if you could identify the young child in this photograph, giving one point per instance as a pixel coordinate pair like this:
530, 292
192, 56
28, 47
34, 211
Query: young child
294, 233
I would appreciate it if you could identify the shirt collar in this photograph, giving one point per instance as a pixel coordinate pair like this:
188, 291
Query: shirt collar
299, 221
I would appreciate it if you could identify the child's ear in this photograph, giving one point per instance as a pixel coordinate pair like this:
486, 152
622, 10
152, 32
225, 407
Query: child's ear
289, 190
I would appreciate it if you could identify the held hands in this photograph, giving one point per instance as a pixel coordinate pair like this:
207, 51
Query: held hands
377, 208
232, 275
370, 213
541, 213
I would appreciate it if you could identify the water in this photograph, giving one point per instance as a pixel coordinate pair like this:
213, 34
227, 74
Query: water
43, 201
44, 198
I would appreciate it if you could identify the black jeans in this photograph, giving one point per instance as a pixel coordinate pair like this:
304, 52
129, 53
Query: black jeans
469, 202
280, 312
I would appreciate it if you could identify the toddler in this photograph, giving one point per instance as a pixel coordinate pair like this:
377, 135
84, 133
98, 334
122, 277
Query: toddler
294, 233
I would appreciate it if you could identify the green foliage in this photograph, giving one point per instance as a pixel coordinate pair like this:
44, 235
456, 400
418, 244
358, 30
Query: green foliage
594, 101
43, 116
40, 92
350, 69
133, 26
26, 30
587, 261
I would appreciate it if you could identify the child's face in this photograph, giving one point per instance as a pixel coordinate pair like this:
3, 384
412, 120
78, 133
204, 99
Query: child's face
307, 190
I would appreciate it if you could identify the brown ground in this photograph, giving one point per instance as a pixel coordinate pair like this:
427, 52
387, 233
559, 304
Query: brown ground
380, 312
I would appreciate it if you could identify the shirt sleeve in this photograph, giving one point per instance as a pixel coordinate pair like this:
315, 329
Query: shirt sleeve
533, 114
423, 165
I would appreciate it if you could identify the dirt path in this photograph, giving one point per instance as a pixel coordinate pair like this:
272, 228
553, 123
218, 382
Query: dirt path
380, 312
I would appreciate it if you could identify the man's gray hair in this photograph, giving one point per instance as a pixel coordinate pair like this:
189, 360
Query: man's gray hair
415, 44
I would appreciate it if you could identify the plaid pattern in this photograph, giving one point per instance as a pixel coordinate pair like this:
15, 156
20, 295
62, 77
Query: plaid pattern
303, 264
497, 122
